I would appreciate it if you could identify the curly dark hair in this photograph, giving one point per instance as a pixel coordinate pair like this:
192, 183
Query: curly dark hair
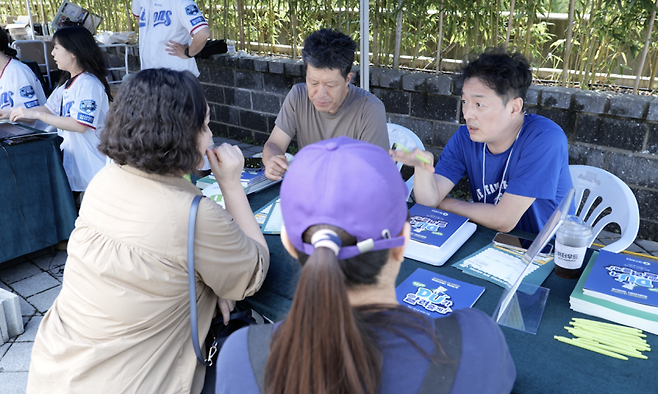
329, 48
509, 75
79, 41
155, 122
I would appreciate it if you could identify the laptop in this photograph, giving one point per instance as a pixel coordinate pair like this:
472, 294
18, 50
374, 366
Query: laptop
545, 235
14, 130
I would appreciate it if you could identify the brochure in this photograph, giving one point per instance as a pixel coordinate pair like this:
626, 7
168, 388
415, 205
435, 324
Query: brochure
624, 279
605, 309
503, 266
436, 295
436, 235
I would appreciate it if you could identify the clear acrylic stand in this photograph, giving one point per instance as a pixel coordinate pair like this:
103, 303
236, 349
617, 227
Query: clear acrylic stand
522, 306
524, 309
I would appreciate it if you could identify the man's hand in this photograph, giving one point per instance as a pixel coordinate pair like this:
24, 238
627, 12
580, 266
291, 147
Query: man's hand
4, 113
275, 167
274, 154
175, 49
225, 306
418, 158
227, 163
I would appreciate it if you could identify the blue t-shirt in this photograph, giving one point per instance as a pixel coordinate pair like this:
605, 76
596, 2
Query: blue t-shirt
538, 167
485, 365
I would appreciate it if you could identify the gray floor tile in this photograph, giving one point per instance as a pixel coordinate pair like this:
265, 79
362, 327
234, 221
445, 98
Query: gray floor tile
35, 284
49, 263
19, 272
31, 329
17, 358
4, 348
43, 301
5, 287
26, 308
13, 382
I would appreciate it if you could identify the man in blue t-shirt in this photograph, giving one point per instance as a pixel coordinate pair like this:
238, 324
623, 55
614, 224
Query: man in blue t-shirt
517, 164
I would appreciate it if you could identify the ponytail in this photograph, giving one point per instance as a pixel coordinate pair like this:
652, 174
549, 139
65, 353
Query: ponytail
324, 346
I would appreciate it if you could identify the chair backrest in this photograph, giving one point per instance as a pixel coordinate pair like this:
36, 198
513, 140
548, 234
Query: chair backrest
614, 195
40, 52
408, 139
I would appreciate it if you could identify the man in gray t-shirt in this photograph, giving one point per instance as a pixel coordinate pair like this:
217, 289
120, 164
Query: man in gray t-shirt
327, 105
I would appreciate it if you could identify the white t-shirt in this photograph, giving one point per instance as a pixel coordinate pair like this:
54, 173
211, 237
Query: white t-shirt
161, 21
84, 100
19, 87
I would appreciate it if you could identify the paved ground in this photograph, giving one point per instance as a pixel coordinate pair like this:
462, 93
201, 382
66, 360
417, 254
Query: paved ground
37, 279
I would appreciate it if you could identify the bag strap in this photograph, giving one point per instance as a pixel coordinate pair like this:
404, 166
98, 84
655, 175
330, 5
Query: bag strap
191, 281
441, 376
258, 344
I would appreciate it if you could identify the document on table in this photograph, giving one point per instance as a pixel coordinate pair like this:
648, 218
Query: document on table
503, 268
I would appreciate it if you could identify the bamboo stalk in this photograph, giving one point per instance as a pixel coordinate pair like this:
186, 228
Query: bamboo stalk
510, 23
640, 68
567, 50
398, 36
439, 41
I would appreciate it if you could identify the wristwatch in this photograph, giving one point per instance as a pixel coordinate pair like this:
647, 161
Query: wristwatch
187, 52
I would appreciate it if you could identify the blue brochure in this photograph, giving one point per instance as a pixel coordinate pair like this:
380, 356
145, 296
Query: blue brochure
624, 279
436, 295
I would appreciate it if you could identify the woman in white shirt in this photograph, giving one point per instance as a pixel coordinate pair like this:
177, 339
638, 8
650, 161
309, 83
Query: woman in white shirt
77, 107
19, 87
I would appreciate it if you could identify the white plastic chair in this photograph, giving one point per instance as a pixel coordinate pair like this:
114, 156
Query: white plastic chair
407, 138
40, 52
615, 194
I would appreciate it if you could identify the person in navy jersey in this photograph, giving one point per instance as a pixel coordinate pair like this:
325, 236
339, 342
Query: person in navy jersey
517, 164
346, 331
77, 107
19, 87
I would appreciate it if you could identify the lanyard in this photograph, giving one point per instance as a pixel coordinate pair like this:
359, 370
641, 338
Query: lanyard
484, 156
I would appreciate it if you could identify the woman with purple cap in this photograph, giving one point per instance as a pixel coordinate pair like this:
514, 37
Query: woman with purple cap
345, 213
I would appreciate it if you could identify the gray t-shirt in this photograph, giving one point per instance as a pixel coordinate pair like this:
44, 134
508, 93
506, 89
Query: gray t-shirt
361, 116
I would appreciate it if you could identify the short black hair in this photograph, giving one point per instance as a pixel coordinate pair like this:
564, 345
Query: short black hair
509, 75
155, 123
329, 48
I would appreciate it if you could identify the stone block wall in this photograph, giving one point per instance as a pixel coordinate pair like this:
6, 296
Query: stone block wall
616, 132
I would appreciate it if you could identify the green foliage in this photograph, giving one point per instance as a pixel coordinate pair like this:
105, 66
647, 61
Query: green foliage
608, 35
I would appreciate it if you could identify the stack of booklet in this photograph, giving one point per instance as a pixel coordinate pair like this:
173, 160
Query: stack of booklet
620, 288
436, 295
436, 235
252, 181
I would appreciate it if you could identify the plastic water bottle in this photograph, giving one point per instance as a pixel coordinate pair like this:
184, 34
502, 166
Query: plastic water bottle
571, 241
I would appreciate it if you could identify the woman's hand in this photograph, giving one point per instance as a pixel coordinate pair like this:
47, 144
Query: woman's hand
227, 163
24, 114
225, 306
4, 113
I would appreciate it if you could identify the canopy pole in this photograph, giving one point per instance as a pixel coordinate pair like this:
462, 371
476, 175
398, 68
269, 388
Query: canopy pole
365, 45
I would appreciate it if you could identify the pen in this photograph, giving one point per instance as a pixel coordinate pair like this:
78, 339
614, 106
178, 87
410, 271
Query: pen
590, 348
605, 340
405, 150
612, 337
630, 330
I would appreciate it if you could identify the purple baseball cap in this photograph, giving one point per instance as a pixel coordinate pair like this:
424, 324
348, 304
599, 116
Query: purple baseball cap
350, 184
